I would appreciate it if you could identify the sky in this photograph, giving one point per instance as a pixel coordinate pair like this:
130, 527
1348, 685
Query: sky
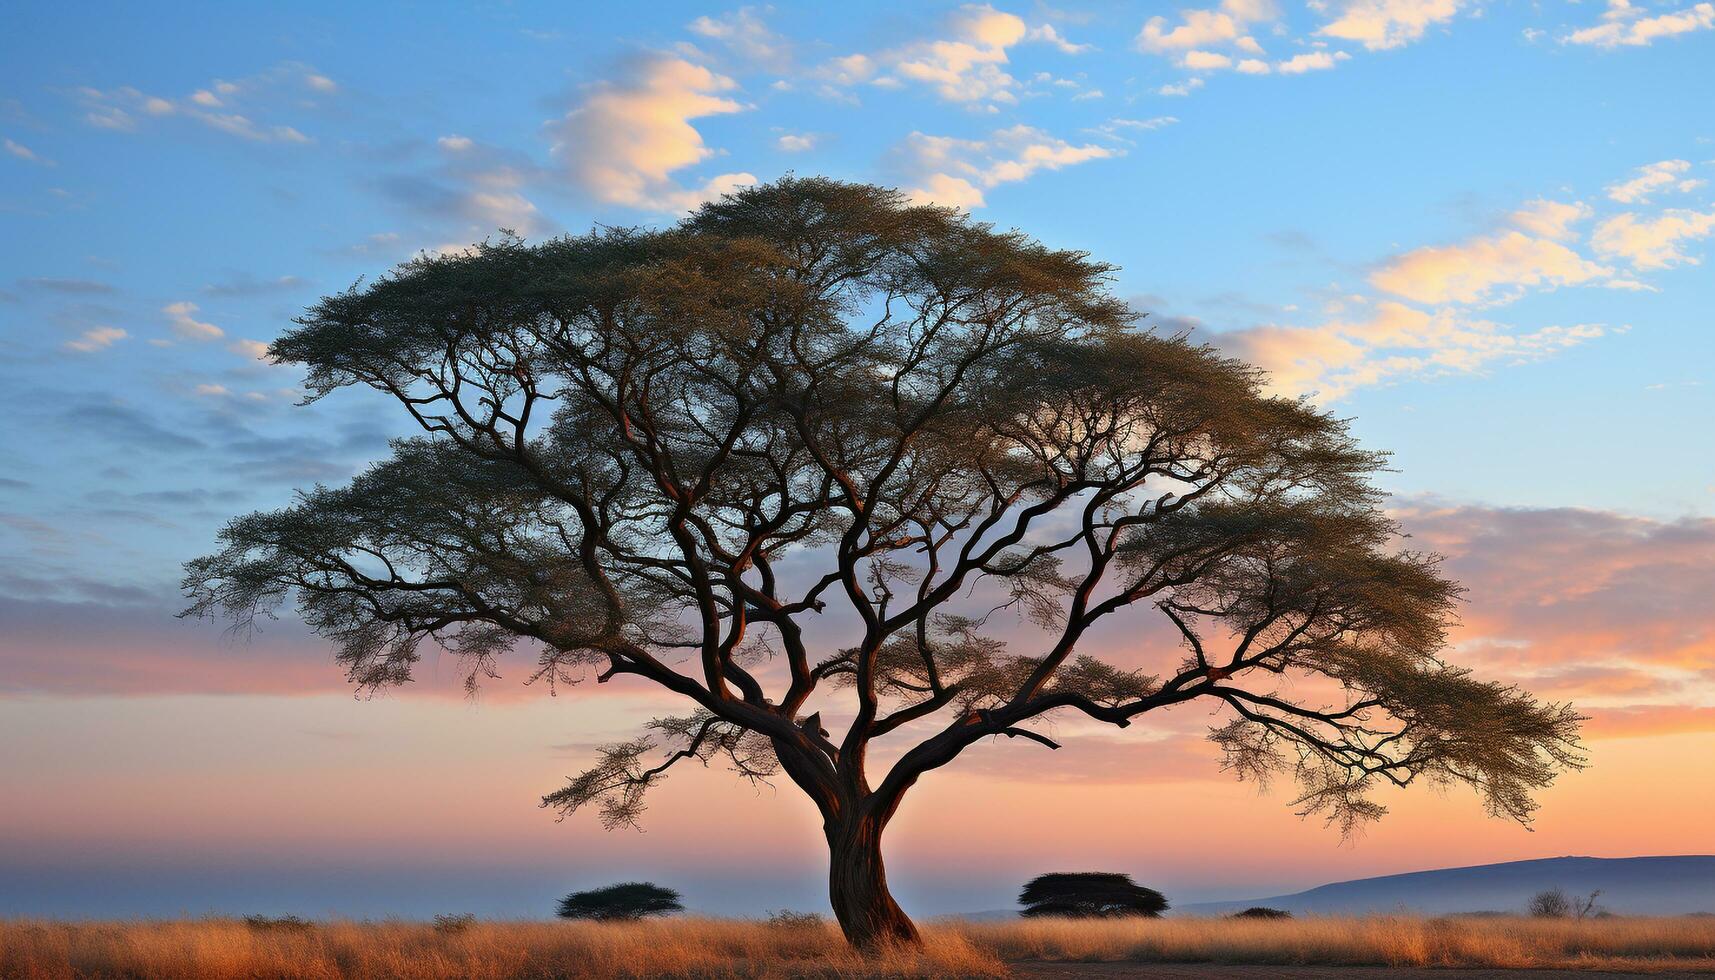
1478, 229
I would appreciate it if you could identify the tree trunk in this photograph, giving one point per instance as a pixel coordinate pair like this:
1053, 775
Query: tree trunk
857, 886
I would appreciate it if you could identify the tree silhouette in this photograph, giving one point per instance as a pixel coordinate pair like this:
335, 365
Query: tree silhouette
1089, 895
623, 902
662, 455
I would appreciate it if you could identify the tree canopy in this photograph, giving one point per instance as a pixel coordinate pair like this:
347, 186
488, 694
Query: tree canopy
666, 454
622, 902
1089, 895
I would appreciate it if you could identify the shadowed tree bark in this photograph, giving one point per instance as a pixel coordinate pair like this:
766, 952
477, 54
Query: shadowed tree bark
662, 455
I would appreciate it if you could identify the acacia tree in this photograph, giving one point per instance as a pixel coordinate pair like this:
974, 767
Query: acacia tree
1089, 895
661, 455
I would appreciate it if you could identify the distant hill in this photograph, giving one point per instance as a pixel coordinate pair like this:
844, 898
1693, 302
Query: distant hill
1635, 886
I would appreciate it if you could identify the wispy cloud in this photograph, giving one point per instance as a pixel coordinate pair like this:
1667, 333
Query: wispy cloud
1653, 178
626, 141
968, 67
480, 186
1625, 25
1390, 343
1425, 322
956, 172
748, 37
1653, 243
1486, 269
96, 338
1561, 587
246, 285
74, 287
1226, 24
1382, 24
187, 327
23, 152
225, 106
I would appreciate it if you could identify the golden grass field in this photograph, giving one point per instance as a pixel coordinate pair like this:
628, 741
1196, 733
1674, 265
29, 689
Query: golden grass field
691, 947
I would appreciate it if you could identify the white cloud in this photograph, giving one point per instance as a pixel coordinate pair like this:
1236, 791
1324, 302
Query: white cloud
1048, 35
1204, 60
956, 172
456, 144
187, 327
1651, 178
96, 338
213, 391
624, 143
967, 67
1382, 24
1550, 219
1394, 342
848, 70
1485, 269
1652, 243
1252, 66
796, 142
1225, 24
1298, 64
1186, 87
1624, 25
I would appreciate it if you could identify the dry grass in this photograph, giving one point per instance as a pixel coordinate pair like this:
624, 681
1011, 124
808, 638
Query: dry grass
231, 948
1664, 944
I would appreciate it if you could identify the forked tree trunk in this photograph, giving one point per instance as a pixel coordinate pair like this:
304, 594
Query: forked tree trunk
857, 886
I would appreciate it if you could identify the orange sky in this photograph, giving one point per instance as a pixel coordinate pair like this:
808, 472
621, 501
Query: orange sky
149, 742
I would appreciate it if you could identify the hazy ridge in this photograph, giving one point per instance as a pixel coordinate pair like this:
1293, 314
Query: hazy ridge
1664, 885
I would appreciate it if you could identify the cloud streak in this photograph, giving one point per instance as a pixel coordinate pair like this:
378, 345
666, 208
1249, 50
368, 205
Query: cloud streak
956, 172
1624, 25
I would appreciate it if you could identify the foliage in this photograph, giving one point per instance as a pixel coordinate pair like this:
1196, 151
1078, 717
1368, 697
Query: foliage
789, 919
1089, 895
1555, 903
283, 923
658, 454
455, 922
621, 902
1261, 912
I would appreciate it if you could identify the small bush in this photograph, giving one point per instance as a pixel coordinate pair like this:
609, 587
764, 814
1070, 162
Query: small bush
454, 924
1556, 904
788, 919
1261, 912
283, 923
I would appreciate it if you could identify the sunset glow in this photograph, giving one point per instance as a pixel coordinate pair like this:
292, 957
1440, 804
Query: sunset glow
1481, 232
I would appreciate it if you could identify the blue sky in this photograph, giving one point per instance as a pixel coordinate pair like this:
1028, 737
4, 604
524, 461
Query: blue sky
1480, 229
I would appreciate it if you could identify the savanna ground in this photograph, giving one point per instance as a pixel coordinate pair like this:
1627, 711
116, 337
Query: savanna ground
1361, 948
